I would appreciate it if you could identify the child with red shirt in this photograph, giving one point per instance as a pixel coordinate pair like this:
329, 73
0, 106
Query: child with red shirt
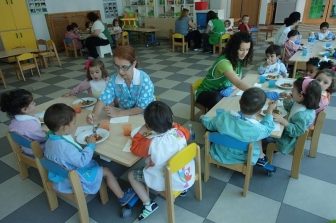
244, 26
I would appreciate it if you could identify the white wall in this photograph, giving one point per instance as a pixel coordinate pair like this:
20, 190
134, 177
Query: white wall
221, 4
300, 5
263, 11
58, 6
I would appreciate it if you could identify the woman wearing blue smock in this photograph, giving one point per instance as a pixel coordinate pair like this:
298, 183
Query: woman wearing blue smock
129, 91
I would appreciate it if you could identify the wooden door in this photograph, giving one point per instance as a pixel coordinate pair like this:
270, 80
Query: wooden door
236, 9
331, 14
7, 21
10, 40
27, 38
20, 14
246, 7
57, 27
315, 11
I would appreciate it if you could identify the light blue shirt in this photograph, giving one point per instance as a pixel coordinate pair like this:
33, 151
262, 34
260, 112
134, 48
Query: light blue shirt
277, 68
139, 94
182, 25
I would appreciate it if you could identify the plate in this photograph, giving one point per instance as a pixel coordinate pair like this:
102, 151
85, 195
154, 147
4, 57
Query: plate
85, 102
323, 53
284, 83
278, 110
135, 131
82, 135
271, 76
40, 116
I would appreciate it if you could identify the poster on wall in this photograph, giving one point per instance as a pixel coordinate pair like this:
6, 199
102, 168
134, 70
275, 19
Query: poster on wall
37, 6
110, 8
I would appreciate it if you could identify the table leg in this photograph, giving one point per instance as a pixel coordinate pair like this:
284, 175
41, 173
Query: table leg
294, 69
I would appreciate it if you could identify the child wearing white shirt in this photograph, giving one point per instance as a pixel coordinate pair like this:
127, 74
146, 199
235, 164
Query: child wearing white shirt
273, 63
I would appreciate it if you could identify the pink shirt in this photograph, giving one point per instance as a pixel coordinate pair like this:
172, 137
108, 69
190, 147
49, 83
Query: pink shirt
324, 102
290, 49
72, 35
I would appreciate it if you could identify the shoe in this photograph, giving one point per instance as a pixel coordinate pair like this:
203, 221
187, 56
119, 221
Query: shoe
128, 195
262, 161
197, 49
184, 193
148, 210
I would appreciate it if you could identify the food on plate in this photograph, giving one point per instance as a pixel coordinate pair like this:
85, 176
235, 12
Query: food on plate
86, 102
286, 85
96, 136
275, 112
272, 77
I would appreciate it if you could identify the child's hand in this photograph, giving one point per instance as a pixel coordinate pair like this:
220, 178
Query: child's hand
90, 139
90, 118
280, 119
271, 106
112, 111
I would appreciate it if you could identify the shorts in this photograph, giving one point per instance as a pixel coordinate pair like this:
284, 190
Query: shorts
138, 175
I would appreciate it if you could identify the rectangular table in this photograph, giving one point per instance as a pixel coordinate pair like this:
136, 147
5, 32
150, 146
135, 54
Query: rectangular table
147, 32
232, 102
16, 52
110, 149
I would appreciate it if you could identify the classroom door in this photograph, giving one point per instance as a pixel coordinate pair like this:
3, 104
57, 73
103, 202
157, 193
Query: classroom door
246, 7
318, 11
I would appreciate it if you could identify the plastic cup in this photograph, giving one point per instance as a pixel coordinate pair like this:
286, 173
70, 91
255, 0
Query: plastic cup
271, 83
262, 79
127, 129
105, 124
304, 52
219, 111
328, 45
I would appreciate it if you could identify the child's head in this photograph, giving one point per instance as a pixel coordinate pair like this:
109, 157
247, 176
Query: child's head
312, 66
115, 22
273, 52
245, 19
327, 80
60, 118
69, 28
158, 117
326, 65
95, 70
324, 27
75, 25
17, 102
307, 91
293, 34
227, 23
252, 101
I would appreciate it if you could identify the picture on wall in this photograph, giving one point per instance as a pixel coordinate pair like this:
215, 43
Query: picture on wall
110, 8
37, 6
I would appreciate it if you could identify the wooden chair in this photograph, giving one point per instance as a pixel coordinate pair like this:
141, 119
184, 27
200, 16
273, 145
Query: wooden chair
2, 77
124, 39
70, 46
77, 197
297, 154
49, 51
178, 40
26, 61
222, 43
177, 162
193, 87
228, 141
315, 132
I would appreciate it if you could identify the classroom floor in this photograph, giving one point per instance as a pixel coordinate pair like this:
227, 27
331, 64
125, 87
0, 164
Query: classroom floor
311, 198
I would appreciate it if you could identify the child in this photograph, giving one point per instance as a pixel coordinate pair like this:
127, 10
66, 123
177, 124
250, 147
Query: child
158, 140
327, 80
72, 34
312, 66
325, 33
244, 26
290, 46
228, 27
273, 63
116, 30
306, 95
20, 107
95, 82
243, 126
62, 149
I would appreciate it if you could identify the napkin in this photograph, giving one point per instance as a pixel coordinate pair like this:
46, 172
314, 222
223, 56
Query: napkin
82, 129
239, 93
257, 85
127, 147
122, 119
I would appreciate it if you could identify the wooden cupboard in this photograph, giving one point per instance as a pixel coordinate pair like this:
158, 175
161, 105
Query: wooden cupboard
246, 7
318, 11
57, 23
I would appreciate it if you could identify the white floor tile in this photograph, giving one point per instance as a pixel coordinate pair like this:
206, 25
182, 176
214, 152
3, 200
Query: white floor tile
327, 145
3, 130
331, 112
174, 95
166, 83
68, 83
189, 71
36, 86
156, 67
161, 74
181, 110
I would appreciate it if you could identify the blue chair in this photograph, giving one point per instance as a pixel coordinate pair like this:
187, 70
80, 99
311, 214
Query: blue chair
225, 140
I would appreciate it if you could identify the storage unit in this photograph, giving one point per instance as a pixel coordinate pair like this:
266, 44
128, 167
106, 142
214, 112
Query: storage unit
318, 11
141, 8
16, 27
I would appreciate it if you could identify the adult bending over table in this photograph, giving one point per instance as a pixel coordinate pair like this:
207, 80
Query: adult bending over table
129, 91
226, 71
99, 35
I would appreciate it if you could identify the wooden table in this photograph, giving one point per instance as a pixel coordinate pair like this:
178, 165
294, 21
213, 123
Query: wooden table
110, 149
147, 32
15, 52
232, 102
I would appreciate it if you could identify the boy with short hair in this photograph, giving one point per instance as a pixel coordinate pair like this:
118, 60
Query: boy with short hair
273, 63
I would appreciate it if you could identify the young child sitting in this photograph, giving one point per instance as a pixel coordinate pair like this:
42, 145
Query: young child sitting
306, 95
327, 80
325, 33
20, 107
116, 30
290, 46
72, 34
273, 63
95, 82
243, 126
158, 140
312, 66
62, 149
244, 26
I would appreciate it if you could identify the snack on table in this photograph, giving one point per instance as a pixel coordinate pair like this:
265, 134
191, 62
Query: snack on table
96, 136
286, 85
272, 77
86, 102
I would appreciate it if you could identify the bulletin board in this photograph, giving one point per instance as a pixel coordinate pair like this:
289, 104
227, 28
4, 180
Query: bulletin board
110, 8
37, 6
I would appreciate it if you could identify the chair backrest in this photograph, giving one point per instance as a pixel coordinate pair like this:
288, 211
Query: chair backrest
227, 141
20, 140
42, 44
54, 167
196, 84
24, 56
178, 36
51, 46
182, 158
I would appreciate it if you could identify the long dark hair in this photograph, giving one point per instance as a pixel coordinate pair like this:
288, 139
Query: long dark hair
312, 95
232, 47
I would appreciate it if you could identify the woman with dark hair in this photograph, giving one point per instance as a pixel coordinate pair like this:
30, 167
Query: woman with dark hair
290, 23
215, 28
226, 71
100, 35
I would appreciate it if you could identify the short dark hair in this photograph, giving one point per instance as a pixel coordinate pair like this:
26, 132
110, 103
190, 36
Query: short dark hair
330, 73
13, 101
312, 95
69, 28
211, 15
324, 25
92, 16
58, 115
273, 49
252, 101
158, 117
314, 61
232, 47
293, 32
228, 22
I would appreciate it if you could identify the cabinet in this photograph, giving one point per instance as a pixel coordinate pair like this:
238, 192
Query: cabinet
16, 27
140, 8
173, 8
318, 11
57, 23
246, 7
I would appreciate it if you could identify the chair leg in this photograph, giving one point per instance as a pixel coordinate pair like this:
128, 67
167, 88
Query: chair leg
3, 78
192, 112
247, 180
296, 163
22, 75
23, 170
198, 183
103, 193
206, 160
66, 52
271, 147
313, 145
170, 207
75, 52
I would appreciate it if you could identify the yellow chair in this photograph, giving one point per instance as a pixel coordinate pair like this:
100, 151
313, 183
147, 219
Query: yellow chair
225, 140
297, 154
177, 162
178, 40
222, 43
26, 61
49, 51
193, 87
124, 39
314, 134
2, 77
70, 46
